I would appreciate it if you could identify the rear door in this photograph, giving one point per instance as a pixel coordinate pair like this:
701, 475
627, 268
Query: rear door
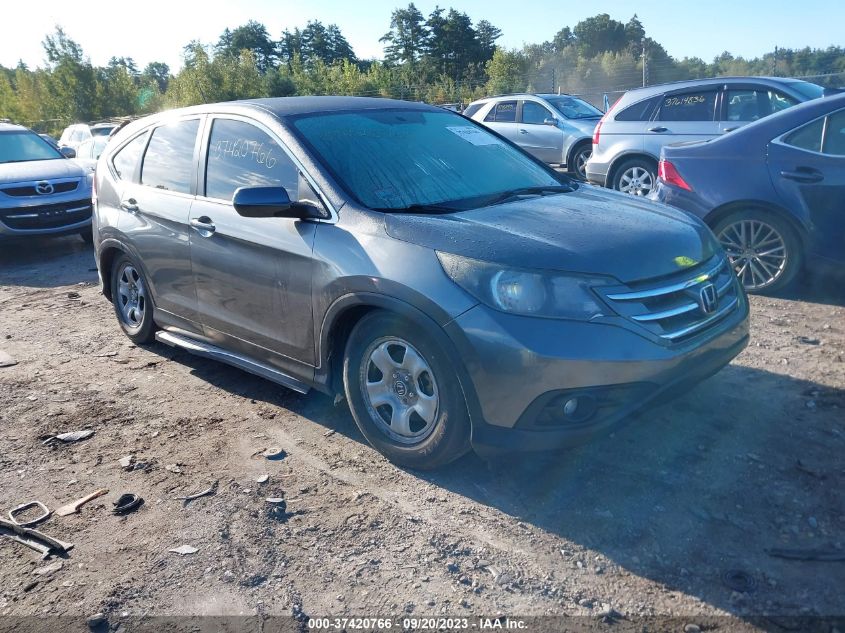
253, 275
807, 167
502, 118
535, 136
684, 115
745, 103
154, 212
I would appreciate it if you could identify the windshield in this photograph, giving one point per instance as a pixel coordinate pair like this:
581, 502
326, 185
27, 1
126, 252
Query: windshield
806, 89
400, 159
22, 146
574, 108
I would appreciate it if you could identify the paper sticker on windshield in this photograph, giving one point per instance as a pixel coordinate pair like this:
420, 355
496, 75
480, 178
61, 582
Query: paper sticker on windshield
474, 135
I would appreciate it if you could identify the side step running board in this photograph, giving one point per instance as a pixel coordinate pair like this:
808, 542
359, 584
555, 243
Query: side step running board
200, 348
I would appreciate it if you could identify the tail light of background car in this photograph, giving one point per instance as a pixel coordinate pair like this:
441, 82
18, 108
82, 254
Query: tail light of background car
667, 173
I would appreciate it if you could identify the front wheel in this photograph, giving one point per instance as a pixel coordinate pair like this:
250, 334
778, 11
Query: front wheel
763, 249
636, 177
131, 299
403, 393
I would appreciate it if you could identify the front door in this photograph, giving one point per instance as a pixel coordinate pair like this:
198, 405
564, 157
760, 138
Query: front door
253, 275
807, 167
544, 141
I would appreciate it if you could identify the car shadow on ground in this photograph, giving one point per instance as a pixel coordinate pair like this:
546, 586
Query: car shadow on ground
687, 494
826, 288
46, 262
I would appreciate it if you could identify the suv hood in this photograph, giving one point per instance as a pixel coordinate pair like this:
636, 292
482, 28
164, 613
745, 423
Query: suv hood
588, 231
40, 170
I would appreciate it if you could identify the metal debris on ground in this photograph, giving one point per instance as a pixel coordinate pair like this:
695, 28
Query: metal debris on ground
48, 569
72, 436
14, 512
40, 542
73, 506
126, 503
208, 491
262, 479
184, 550
6, 360
808, 341
126, 462
173, 468
275, 453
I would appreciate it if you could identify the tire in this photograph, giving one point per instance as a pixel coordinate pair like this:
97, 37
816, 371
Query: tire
635, 176
578, 160
431, 427
132, 301
763, 248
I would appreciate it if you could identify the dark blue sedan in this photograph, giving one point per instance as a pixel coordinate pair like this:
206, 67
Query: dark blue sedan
773, 191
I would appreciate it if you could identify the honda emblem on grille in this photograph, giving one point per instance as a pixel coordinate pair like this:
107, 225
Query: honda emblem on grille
44, 188
708, 299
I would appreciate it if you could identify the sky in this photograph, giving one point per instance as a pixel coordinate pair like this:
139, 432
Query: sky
156, 30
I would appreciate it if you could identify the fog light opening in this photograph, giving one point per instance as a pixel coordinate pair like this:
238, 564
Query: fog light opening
579, 408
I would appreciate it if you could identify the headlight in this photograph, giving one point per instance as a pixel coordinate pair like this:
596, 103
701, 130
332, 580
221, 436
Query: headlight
528, 292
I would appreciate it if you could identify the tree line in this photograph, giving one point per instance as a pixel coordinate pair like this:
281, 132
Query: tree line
444, 57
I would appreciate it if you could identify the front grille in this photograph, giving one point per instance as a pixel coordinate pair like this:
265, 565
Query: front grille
47, 216
683, 306
30, 189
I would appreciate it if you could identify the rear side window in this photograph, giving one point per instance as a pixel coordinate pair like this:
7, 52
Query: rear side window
640, 111
503, 112
698, 105
169, 161
834, 134
242, 155
472, 109
808, 137
126, 160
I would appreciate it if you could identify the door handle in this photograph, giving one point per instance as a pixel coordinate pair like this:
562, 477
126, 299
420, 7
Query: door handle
803, 175
203, 223
130, 205
522, 131
731, 129
659, 128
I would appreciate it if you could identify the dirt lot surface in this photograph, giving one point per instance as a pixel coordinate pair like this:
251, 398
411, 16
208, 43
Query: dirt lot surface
675, 514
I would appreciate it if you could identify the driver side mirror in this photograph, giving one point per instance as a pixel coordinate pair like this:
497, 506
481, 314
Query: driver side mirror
67, 152
271, 202
550, 121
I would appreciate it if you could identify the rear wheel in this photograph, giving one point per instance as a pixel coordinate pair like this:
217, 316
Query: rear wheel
635, 176
131, 299
578, 160
403, 393
763, 249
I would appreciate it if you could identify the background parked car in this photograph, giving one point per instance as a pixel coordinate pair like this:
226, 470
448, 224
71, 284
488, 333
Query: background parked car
74, 134
41, 191
773, 192
89, 151
557, 129
627, 141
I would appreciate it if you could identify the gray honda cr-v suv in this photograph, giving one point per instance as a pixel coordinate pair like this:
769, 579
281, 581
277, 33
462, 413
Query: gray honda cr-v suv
456, 290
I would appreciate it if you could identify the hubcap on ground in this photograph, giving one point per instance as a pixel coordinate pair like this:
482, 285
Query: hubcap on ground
756, 251
400, 390
131, 296
637, 181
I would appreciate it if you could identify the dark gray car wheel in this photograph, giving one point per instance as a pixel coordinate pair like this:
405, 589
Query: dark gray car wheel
636, 176
132, 300
403, 393
763, 249
578, 162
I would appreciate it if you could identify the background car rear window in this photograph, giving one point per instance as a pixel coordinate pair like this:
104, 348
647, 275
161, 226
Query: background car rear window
688, 106
126, 160
504, 112
169, 161
242, 155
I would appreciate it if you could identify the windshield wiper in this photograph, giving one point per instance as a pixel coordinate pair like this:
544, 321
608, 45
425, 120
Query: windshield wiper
513, 194
420, 208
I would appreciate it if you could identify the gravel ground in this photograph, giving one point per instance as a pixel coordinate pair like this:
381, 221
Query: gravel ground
673, 515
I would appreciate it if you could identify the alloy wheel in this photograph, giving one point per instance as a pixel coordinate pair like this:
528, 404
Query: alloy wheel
637, 181
581, 158
757, 252
131, 296
400, 390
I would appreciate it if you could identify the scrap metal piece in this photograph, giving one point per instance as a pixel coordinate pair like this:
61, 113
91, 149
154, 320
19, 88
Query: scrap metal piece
24, 506
73, 506
126, 503
40, 542
72, 436
197, 495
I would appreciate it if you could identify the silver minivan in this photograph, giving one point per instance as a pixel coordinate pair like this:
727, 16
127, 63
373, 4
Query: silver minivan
557, 129
628, 139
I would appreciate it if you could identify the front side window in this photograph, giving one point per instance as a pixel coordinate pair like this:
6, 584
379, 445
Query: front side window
126, 160
169, 161
24, 146
242, 155
502, 112
752, 104
834, 134
807, 137
688, 106
395, 159
534, 113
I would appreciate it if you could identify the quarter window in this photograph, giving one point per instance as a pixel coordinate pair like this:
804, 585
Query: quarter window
534, 113
126, 160
640, 111
808, 137
834, 134
472, 109
169, 161
688, 106
241, 155
502, 112
753, 104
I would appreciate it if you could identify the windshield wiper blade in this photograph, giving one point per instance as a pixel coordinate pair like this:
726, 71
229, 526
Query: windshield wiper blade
421, 208
507, 196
